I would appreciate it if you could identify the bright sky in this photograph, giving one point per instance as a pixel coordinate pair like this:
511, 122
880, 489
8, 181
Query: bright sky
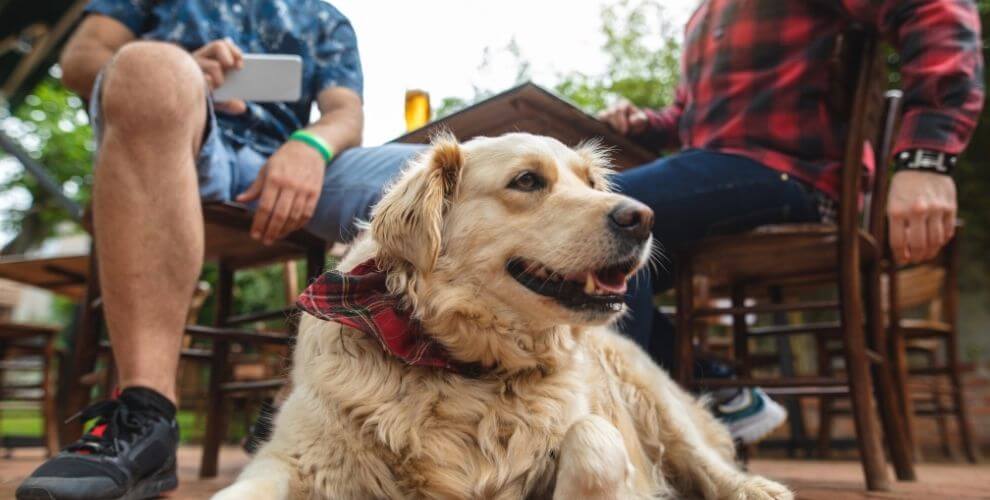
437, 45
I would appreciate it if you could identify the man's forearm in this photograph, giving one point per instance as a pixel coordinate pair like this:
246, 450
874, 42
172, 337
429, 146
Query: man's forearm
80, 63
340, 129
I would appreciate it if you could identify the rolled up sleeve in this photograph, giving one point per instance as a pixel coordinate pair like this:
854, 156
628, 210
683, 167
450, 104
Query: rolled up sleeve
134, 14
941, 67
338, 63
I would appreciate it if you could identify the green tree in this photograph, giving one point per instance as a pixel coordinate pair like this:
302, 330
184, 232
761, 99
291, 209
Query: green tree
643, 63
52, 126
643, 60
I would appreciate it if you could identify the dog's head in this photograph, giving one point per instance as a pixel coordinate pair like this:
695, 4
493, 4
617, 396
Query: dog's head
518, 224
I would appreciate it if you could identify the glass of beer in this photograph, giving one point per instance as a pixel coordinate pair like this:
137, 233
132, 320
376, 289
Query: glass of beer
418, 110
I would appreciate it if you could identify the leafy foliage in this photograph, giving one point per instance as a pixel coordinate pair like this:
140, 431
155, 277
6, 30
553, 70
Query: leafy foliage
643, 63
451, 105
52, 126
643, 60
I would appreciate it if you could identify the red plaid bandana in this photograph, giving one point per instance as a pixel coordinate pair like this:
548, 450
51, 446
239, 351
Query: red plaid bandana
359, 299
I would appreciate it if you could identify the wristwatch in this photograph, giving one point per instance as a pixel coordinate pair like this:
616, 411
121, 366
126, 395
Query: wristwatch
926, 160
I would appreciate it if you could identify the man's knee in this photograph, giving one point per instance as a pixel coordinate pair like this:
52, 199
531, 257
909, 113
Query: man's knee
152, 85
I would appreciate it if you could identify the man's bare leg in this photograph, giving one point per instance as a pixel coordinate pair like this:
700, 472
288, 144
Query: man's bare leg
146, 208
149, 237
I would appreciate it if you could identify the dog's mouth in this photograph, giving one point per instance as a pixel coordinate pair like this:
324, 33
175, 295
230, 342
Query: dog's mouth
599, 289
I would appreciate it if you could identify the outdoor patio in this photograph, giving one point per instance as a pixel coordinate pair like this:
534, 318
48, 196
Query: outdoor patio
831, 480
884, 369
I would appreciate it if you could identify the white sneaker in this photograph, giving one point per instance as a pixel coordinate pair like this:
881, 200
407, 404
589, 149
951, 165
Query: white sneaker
751, 415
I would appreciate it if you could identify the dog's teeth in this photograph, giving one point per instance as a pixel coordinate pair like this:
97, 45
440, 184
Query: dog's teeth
589, 284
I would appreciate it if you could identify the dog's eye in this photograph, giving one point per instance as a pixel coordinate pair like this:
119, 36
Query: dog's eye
527, 181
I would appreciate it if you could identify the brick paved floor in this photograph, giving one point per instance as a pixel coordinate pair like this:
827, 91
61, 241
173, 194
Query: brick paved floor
833, 480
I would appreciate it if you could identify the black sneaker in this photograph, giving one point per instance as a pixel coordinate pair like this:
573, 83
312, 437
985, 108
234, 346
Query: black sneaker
128, 454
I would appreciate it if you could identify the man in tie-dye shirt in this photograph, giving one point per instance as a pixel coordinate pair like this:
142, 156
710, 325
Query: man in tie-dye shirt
148, 68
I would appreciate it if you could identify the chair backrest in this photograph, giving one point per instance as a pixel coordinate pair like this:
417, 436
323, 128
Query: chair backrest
873, 118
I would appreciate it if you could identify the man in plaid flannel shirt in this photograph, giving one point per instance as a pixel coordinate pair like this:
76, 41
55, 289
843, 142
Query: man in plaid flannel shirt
761, 142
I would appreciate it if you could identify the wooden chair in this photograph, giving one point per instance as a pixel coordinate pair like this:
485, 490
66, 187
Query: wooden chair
847, 256
30, 350
932, 287
229, 244
922, 307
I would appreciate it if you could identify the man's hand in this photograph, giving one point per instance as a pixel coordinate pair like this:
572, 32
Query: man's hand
216, 59
288, 186
625, 118
921, 210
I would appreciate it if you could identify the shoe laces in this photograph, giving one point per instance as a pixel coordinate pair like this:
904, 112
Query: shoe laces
116, 424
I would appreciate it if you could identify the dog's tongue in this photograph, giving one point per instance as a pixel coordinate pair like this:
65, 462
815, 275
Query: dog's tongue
612, 282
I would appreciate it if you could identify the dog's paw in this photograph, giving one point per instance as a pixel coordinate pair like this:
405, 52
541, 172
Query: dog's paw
759, 488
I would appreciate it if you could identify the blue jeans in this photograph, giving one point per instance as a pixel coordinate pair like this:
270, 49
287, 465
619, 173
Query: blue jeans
352, 184
695, 194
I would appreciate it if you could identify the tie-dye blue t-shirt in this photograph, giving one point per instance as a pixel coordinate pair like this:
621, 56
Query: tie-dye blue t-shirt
312, 29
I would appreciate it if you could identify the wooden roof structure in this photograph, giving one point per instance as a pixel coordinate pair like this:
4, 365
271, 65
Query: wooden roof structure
65, 275
530, 108
31, 37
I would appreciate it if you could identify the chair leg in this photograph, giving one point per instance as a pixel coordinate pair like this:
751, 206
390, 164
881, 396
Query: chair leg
316, 262
215, 417
48, 399
941, 422
795, 410
685, 323
894, 428
825, 403
740, 333
826, 412
858, 374
951, 305
85, 349
898, 363
966, 435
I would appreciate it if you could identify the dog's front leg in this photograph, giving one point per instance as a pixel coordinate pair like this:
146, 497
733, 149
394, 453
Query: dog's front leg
594, 463
265, 478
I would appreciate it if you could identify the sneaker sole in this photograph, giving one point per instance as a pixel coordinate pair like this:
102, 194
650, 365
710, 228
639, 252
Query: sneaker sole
760, 425
150, 487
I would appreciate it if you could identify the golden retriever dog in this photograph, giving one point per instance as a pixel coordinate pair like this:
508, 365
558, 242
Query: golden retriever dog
511, 254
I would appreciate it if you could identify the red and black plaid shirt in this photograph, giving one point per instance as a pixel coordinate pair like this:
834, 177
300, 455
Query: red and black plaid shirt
756, 80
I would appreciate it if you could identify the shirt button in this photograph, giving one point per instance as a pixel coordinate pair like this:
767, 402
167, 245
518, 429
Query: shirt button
784, 177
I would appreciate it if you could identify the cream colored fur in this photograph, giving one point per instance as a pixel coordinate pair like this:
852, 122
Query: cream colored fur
570, 409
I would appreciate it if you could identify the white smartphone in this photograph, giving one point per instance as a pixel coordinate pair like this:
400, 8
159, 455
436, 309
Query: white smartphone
264, 78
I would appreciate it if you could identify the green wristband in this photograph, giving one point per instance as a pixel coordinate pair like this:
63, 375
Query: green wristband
314, 141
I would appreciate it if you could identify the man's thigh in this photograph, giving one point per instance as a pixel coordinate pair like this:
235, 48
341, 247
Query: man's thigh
696, 194
354, 182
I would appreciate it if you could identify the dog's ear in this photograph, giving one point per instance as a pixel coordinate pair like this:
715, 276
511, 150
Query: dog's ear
408, 221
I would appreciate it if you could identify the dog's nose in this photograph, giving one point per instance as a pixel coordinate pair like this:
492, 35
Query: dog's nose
632, 218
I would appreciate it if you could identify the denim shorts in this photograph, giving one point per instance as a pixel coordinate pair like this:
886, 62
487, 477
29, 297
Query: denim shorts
353, 183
